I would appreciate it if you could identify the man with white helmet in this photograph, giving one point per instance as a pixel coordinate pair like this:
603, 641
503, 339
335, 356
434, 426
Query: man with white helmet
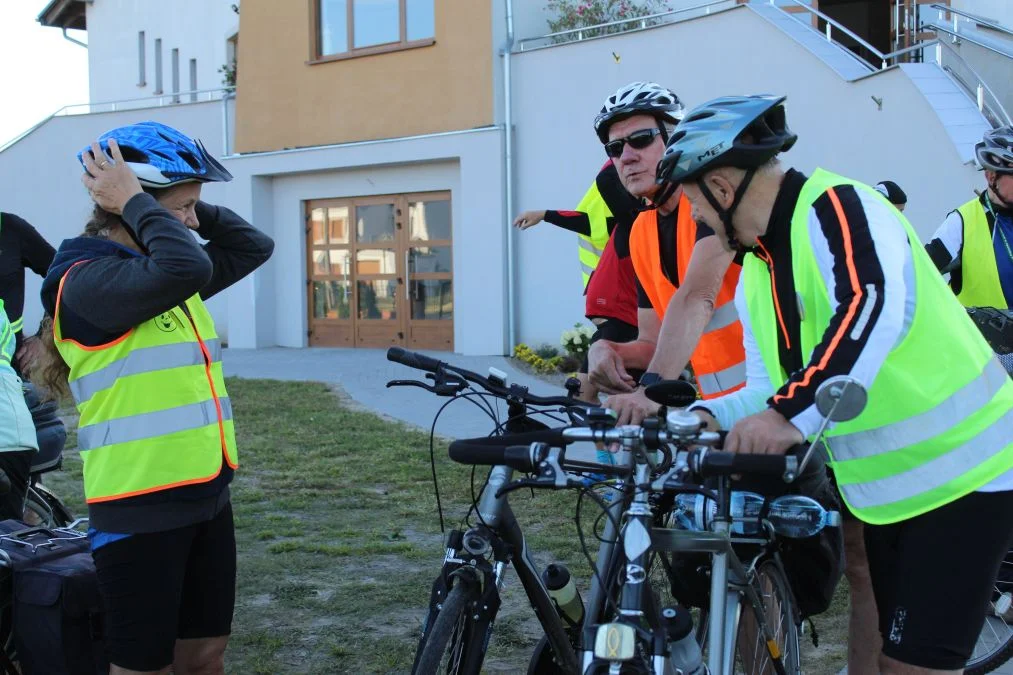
686, 280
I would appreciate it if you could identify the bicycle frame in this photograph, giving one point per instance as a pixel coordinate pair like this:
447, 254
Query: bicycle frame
730, 580
494, 514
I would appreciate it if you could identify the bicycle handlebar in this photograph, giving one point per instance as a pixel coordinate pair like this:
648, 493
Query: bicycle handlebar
518, 392
414, 359
707, 463
525, 452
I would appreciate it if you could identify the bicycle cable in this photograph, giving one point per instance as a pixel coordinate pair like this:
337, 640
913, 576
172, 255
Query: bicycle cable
607, 592
432, 442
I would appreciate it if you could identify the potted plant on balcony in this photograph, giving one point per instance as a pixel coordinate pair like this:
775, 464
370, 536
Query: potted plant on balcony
573, 14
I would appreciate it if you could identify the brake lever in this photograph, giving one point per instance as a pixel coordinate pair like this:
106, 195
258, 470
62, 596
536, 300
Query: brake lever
411, 383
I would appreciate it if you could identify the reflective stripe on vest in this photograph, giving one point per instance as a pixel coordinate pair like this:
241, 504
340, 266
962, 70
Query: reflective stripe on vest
980, 286
719, 360
589, 257
142, 360
154, 411
937, 424
590, 247
7, 338
152, 424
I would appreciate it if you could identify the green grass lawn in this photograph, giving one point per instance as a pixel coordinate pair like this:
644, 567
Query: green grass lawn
339, 541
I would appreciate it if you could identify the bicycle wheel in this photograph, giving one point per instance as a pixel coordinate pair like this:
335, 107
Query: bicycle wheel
445, 648
779, 615
995, 642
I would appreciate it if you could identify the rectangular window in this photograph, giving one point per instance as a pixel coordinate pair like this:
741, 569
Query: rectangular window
158, 66
175, 75
140, 60
193, 80
359, 27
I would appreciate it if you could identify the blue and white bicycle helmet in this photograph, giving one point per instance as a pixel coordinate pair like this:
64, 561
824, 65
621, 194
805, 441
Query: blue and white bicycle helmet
161, 157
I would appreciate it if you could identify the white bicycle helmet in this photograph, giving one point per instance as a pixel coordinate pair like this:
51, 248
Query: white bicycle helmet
638, 98
995, 151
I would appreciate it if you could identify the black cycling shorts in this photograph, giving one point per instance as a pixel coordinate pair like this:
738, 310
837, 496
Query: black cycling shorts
161, 586
933, 577
613, 330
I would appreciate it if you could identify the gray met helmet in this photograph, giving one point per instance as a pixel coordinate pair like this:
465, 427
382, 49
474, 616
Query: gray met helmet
739, 131
995, 151
710, 136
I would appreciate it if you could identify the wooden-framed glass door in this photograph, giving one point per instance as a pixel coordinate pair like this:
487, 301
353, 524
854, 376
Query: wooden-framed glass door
430, 271
380, 271
329, 268
379, 276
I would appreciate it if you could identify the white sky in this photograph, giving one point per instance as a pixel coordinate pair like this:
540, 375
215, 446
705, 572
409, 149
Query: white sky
40, 71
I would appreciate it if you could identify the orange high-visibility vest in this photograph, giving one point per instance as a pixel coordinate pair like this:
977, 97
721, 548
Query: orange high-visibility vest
719, 360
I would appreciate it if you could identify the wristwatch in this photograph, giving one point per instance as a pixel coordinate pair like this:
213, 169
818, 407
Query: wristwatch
647, 379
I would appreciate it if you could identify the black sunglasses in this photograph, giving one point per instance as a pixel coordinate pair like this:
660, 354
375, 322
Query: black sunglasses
638, 140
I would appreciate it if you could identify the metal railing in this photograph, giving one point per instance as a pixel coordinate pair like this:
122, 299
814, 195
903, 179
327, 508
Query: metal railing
157, 101
614, 27
981, 21
830, 24
957, 37
140, 103
993, 110
885, 60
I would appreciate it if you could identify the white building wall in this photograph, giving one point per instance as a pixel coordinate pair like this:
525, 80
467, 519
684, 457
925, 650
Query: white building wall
270, 189
556, 93
558, 90
198, 28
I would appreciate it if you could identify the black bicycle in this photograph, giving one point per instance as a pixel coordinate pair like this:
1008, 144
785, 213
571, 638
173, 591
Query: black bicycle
465, 596
624, 625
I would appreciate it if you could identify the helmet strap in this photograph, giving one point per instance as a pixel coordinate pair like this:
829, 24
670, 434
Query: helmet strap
664, 194
726, 214
993, 185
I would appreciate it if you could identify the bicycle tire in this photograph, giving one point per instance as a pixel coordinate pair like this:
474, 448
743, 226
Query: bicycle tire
778, 589
994, 646
450, 632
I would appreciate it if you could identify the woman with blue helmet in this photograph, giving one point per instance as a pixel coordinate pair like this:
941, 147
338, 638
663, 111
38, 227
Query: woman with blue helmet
134, 344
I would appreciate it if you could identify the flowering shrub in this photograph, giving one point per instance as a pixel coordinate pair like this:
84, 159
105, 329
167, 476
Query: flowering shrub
537, 363
571, 14
577, 341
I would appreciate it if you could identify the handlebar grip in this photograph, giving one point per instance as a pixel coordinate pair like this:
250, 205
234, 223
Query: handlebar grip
727, 463
413, 359
520, 457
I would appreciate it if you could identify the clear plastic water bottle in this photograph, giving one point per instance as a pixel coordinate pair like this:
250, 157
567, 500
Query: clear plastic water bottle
798, 517
683, 649
695, 512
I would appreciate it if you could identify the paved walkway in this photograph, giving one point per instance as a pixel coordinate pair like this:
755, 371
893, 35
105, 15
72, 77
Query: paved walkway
363, 374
